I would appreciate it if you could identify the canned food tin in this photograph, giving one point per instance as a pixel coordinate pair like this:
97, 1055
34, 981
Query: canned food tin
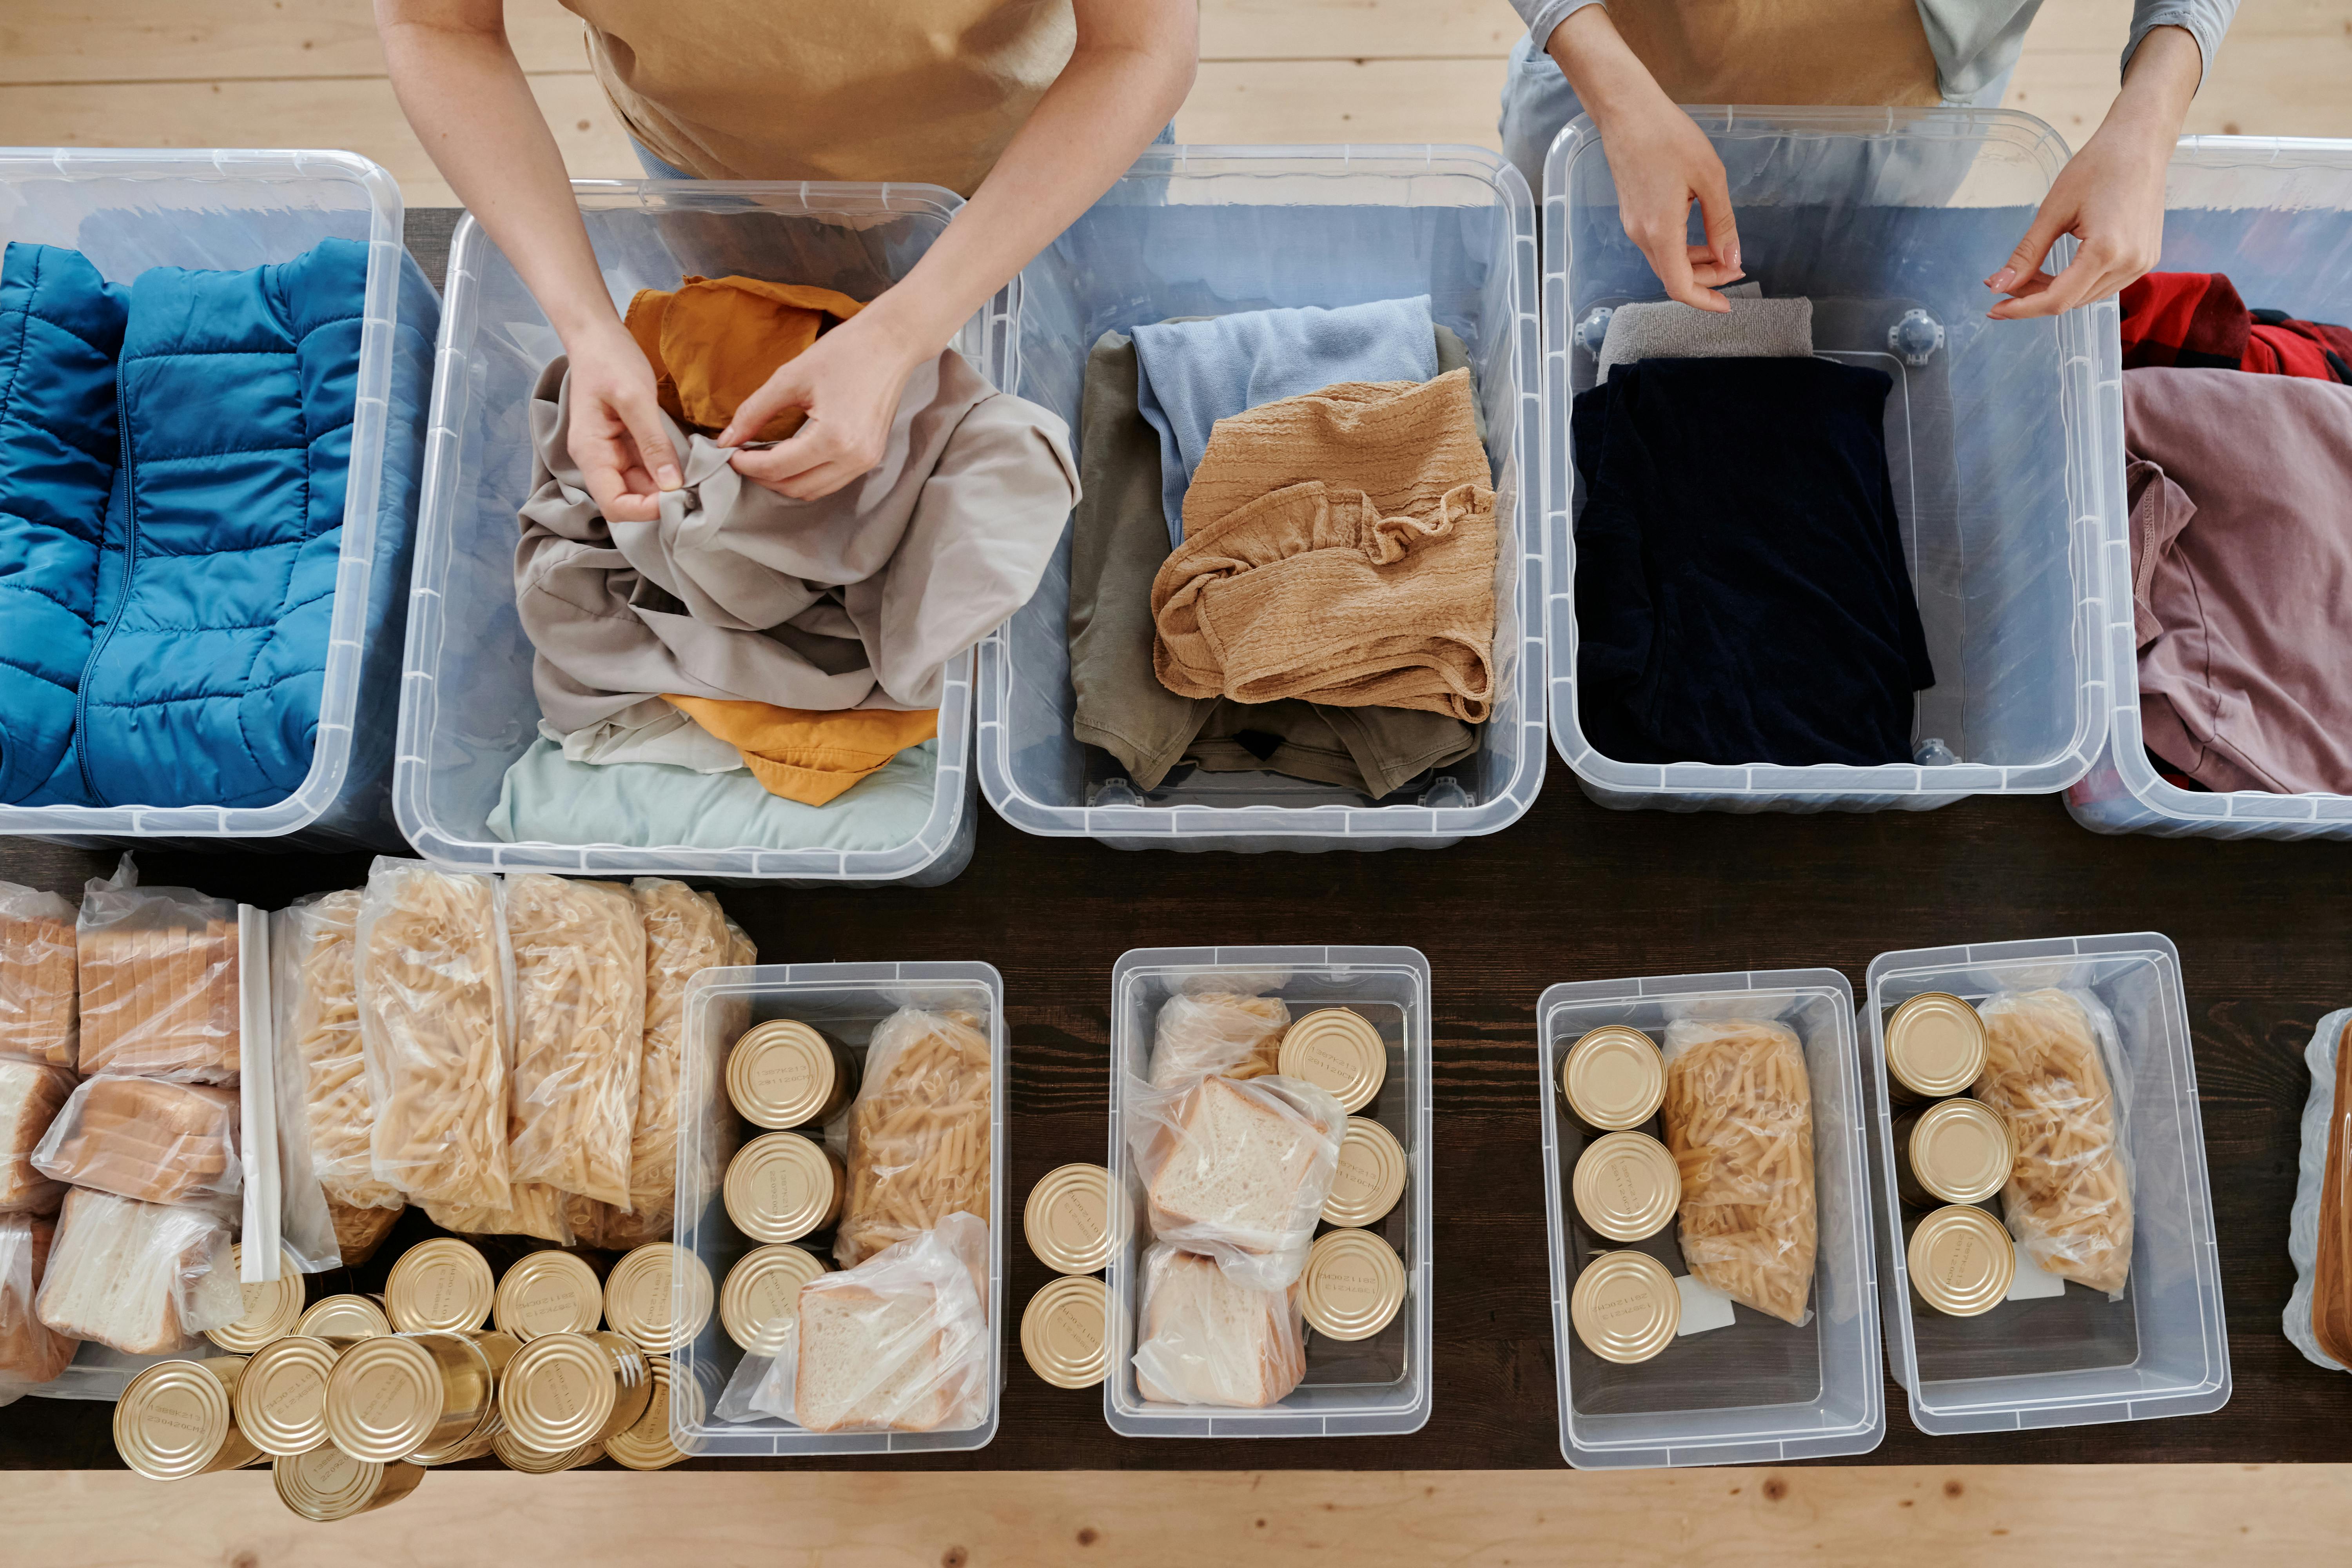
272, 1307
281, 1399
781, 1187
1625, 1307
762, 1293
440, 1285
637, 1299
1626, 1186
327, 1484
1370, 1177
1353, 1287
1960, 1260
1935, 1047
549, 1292
178, 1419
1064, 1332
645, 1445
783, 1073
344, 1317
1339, 1049
1953, 1151
1067, 1219
565, 1390
402, 1395
532, 1462
1613, 1078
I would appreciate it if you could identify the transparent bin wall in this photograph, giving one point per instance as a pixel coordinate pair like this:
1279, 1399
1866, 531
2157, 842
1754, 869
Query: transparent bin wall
1760, 1391
1212, 230
845, 1001
2076, 1359
220, 208
2275, 214
1380, 1385
1875, 215
466, 708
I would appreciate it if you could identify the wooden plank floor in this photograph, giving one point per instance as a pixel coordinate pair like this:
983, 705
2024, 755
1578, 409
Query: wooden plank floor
308, 73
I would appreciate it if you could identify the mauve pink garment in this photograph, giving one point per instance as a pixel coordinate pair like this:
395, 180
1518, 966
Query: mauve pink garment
2241, 489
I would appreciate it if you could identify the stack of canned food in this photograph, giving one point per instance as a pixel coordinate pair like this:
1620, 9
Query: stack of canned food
783, 1185
1354, 1284
1952, 1154
1627, 1188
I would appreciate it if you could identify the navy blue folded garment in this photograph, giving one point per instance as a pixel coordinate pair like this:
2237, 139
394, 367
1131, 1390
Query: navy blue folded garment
1740, 589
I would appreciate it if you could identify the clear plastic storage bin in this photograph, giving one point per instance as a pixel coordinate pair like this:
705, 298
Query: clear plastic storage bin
2076, 1359
1760, 1391
1888, 220
226, 208
467, 708
1212, 230
2275, 214
845, 1001
1376, 1386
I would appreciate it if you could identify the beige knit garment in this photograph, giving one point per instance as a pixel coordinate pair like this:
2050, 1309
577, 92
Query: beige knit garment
1339, 547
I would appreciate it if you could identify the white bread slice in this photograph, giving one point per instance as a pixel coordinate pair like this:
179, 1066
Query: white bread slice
871, 1361
1236, 1168
118, 1271
1207, 1341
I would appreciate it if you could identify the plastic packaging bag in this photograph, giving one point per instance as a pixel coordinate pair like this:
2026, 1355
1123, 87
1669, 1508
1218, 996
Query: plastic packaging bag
1216, 1033
315, 986
580, 1024
31, 1095
919, 1132
2318, 1316
31, 1352
435, 1026
142, 1278
1237, 1170
159, 981
359, 1231
898, 1344
2051, 1067
535, 1209
150, 1139
1739, 1117
39, 982
1207, 1339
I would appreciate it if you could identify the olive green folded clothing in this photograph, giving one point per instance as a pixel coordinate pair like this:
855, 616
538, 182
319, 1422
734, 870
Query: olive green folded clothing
1119, 539
546, 799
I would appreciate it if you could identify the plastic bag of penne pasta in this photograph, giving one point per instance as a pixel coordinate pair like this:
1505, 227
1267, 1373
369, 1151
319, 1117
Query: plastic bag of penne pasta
533, 1208
1738, 1117
159, 981
919, 1132
435, 1011
2053, 1068
580, 1026
38, 986
1216, 1032
315, 997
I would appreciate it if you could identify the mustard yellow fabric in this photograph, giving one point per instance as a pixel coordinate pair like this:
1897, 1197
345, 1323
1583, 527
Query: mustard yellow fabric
714, 341
808, 756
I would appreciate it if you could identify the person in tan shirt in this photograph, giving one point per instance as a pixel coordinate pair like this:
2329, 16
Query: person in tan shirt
1030, 108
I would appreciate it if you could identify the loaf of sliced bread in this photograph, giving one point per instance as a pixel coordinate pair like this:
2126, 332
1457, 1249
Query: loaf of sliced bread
1208, 1341
144, 1138
31, 1095
38, 983
1240, 1169
142, 1278
30, 1351
872, 1361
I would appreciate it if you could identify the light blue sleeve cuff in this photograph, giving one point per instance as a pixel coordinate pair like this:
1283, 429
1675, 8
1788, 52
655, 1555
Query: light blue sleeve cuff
1542, 16
2205, 20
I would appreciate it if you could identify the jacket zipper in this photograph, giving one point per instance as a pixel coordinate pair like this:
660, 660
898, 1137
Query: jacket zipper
121, 594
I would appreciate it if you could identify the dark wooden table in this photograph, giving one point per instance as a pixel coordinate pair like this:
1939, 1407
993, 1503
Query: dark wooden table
1571, 893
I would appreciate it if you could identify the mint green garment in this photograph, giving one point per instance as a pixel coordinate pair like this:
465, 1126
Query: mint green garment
548, 799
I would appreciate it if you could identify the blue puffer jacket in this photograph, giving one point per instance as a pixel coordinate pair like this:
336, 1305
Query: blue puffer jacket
173, 460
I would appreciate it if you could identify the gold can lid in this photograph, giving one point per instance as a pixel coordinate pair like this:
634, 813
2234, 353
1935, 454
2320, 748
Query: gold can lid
272, 1307
762, 1294
344, 1318
1626, 1186
781, 1187
558, 1391
1370, 1177
174, 1418
1961, 1151
1613, 1078
1625, 1307
1067, 1219
1065, 1332
281, 1397
532, 1462
782, 1074
1935, 1045
637, 1297
1353, 1287
383, 1398
1961, 1261
327, 1484
548, 1292
473, 1445
1340, 1050
645, 1444
443, 1285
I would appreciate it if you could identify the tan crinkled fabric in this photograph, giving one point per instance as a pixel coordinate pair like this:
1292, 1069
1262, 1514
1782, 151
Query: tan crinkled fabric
580, 1020
1339, 547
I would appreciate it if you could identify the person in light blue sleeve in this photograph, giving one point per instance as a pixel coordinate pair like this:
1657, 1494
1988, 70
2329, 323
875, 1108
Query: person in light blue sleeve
1629, 62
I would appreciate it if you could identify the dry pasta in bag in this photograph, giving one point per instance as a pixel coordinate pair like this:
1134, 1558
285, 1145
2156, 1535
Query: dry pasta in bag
148, 1139
359, 1231
1739, 1116
535, 1209
31, 1095
31, 1352
434, 1028
1237, 1170
159, 988
142, 1278
919, 1132
580, 1025
899, 1343
1207, 1339
1216, 1032
2068, 1201
38, 985
315, 994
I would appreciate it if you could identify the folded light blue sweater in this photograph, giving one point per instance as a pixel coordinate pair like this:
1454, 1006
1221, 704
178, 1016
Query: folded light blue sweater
548, 799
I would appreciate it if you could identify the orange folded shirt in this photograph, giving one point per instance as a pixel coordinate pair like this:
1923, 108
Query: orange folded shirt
807, 756
714, 341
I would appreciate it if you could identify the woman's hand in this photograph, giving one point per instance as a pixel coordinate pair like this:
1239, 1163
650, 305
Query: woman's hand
2110, 196
616, 435
849, 381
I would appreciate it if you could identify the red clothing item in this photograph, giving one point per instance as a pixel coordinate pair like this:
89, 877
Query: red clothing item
2196, 320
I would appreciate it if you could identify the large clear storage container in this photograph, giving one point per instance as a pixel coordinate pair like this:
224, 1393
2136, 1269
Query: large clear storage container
1377, 1386
1760, 1390
845, 1002
1211, 230
128, 210
2074, 1359
1889, 220
466, 706
2275, 214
